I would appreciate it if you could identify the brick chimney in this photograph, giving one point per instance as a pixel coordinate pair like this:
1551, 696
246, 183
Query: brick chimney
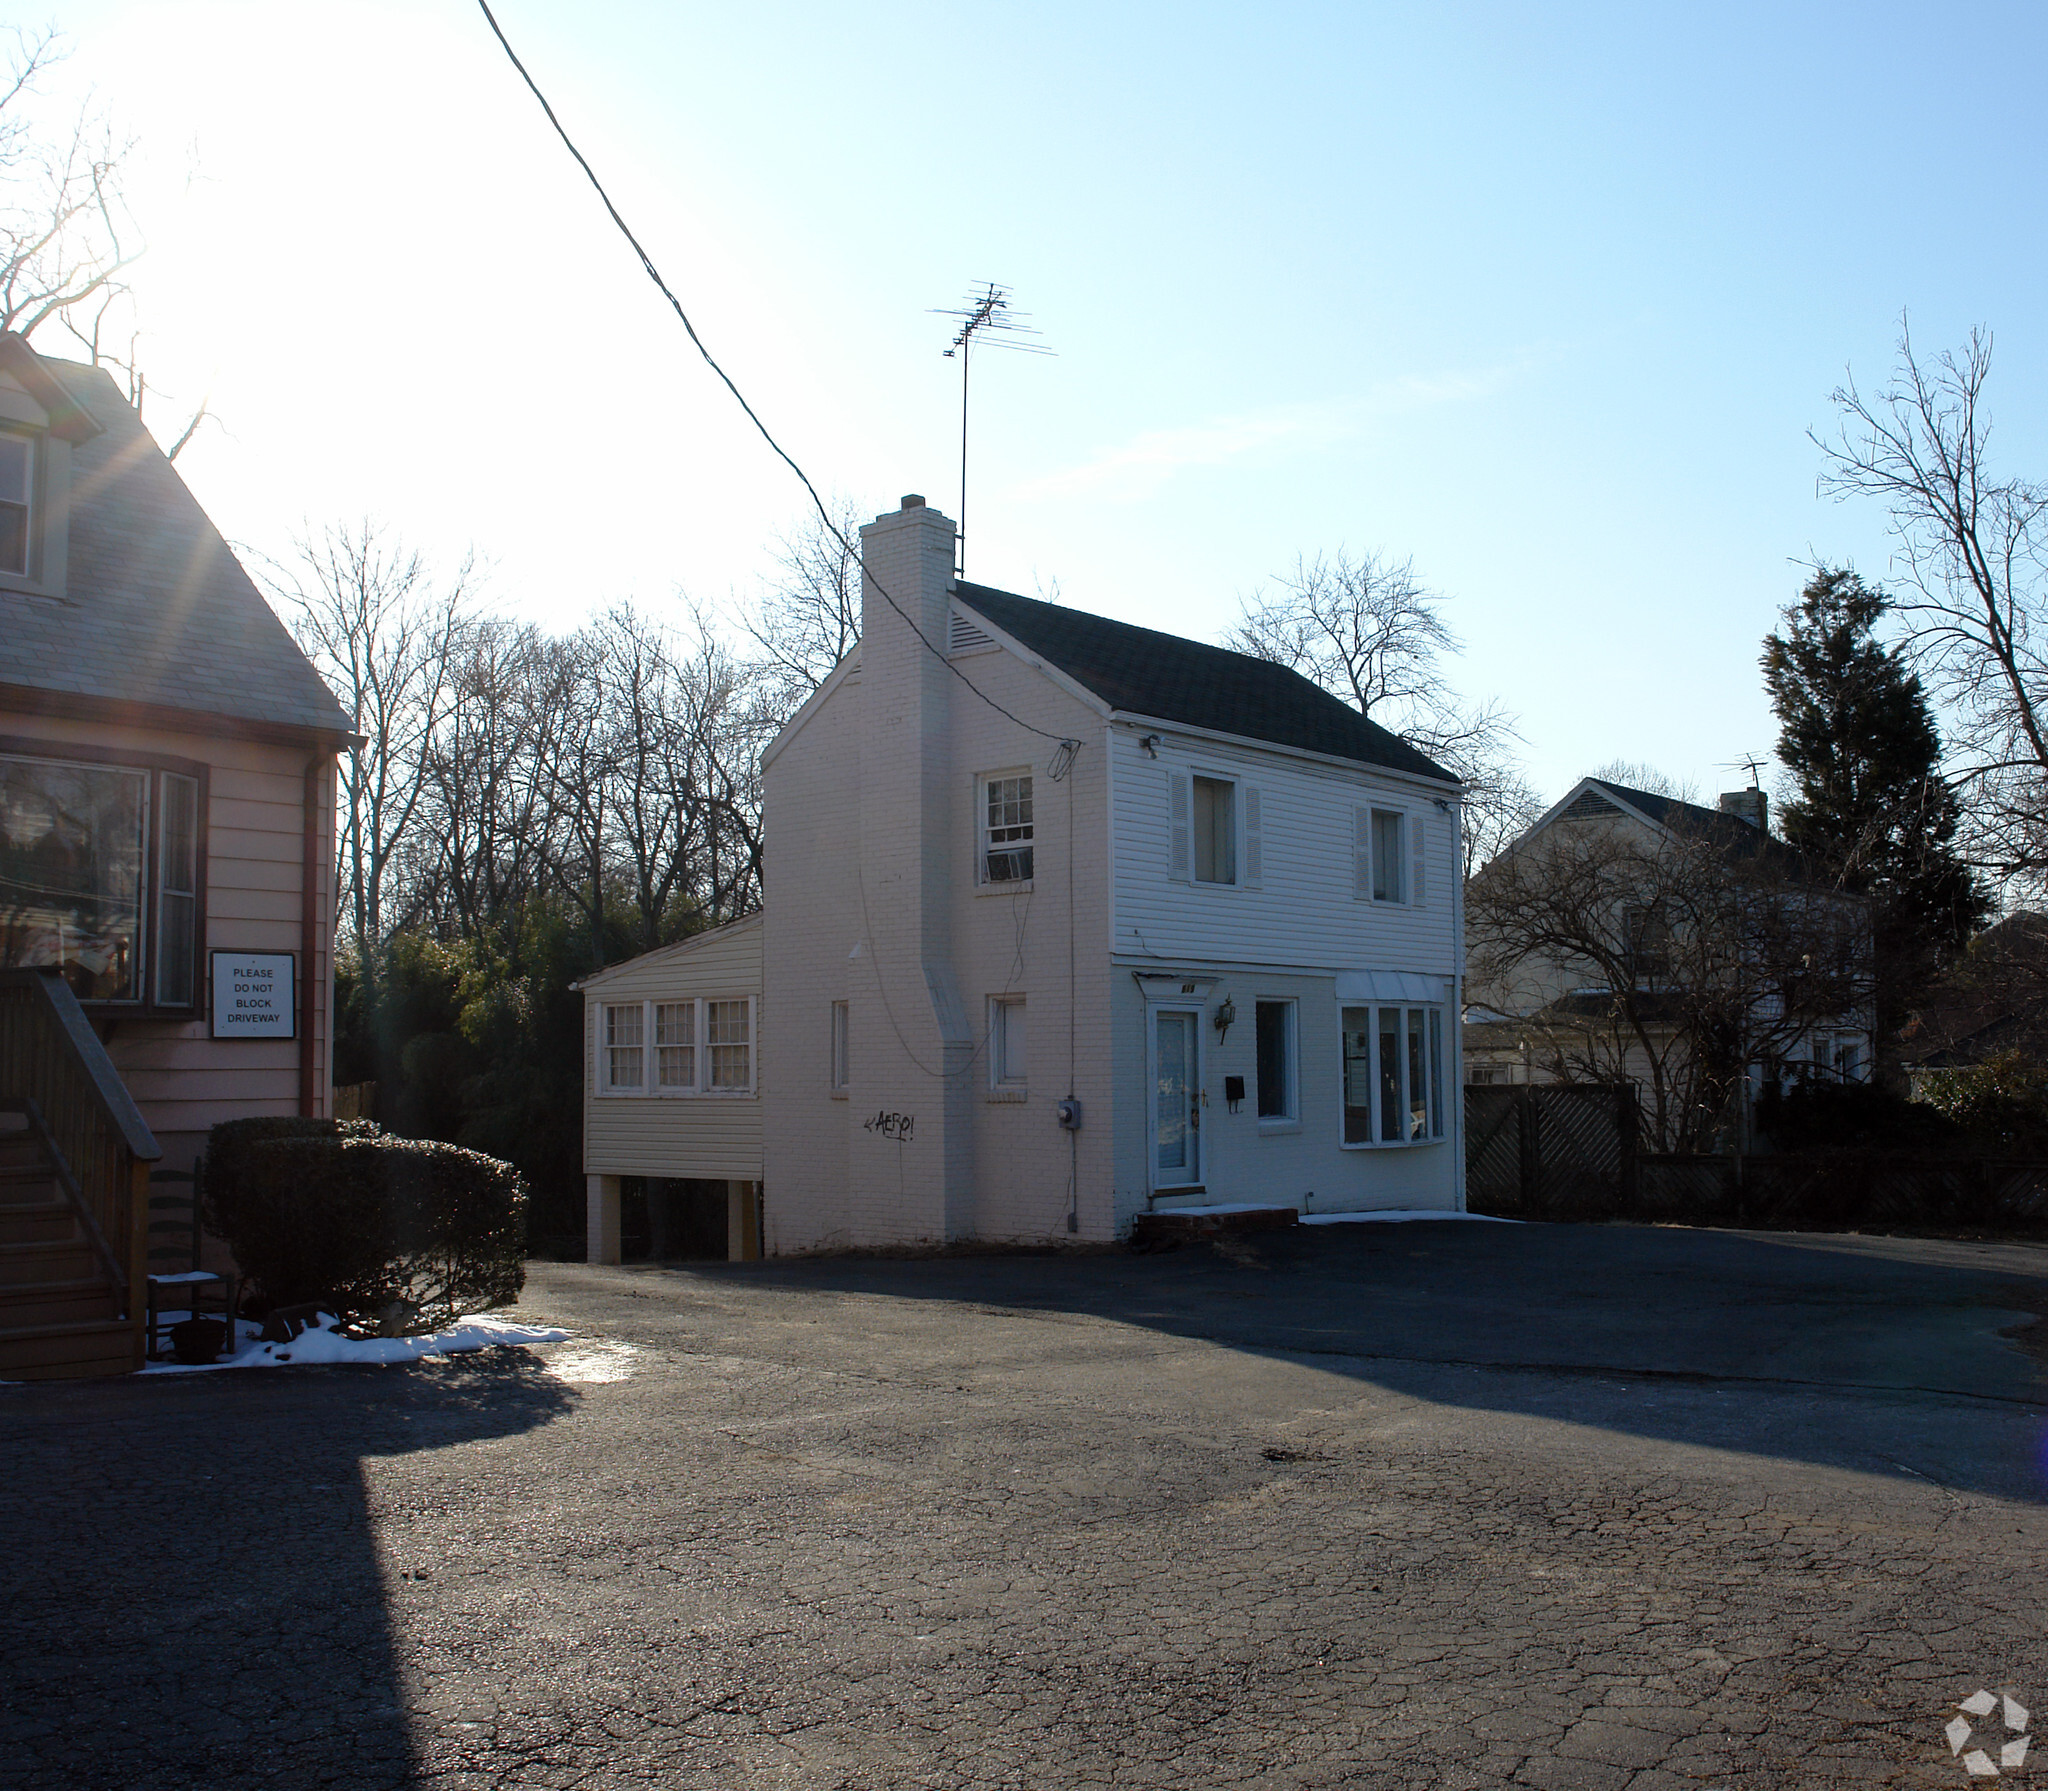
1752, 806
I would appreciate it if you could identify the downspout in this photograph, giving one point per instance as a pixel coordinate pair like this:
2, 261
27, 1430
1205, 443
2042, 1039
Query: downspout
309, 927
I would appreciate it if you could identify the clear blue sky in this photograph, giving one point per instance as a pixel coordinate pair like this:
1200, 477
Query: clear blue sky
1546, 297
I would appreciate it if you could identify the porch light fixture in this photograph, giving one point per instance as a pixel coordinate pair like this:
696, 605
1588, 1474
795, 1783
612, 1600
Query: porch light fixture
1226, 1017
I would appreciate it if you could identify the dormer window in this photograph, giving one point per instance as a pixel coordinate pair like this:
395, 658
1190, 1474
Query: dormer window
17, 476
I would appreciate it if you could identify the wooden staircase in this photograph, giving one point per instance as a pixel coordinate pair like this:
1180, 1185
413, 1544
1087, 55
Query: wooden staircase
60, 1312
74, 1192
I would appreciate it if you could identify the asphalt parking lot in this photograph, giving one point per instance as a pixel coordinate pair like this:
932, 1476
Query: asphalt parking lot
1450, 1504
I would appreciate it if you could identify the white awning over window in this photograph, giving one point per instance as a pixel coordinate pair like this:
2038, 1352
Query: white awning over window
1390, 985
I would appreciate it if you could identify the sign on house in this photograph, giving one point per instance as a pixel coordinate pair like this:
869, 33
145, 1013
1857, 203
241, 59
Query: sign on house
253, 994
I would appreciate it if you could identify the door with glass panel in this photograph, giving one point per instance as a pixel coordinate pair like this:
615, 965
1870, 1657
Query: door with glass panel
1176, 1099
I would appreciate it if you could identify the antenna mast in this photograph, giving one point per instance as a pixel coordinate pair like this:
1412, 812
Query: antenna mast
985, 314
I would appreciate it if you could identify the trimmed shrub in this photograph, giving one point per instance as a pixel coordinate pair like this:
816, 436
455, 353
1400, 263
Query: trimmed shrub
400, 1232
238, 1208
2002, 1103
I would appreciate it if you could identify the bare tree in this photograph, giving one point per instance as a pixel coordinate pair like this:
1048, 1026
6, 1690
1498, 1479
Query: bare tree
67, 235
1369, 631
806, 618
1971, 571
384, 633
1673, 961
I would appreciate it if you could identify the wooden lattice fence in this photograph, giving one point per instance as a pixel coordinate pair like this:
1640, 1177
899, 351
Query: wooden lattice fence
1550, 1151
1563, 1151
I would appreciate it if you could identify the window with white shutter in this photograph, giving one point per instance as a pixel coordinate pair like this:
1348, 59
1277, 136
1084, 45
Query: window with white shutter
1254, 836
1361, 854
1417, 851
1179, 804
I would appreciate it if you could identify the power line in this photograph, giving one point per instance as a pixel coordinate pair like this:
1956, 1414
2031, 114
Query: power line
676, 305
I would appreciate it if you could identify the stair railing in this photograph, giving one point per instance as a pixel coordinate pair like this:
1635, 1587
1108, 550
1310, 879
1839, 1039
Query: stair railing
54, 1068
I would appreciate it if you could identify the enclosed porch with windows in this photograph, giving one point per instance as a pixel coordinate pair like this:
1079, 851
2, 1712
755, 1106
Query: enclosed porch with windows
671, 1101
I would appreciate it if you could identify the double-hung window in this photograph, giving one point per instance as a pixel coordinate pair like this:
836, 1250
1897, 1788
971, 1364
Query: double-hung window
625, 1047
17, 495
1006, 829
1388, 847
100, 877
729, 1033
1393, 1074
675, 1047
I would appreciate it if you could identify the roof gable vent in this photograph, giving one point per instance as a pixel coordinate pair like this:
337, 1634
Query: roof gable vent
965, 635
1589, 805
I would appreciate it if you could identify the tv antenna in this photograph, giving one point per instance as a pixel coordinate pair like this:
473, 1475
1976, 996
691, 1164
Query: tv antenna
1752, 764
985, 315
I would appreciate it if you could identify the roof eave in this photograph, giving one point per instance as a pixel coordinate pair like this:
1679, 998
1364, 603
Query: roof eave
1164, 724
69, 419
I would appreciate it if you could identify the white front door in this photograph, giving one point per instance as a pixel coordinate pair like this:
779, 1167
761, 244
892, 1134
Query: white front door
1176, 1098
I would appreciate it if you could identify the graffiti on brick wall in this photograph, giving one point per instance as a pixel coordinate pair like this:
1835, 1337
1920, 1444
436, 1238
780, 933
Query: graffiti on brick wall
899, 1126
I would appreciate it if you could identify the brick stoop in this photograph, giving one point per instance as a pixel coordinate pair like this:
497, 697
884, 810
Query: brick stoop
1189, 1223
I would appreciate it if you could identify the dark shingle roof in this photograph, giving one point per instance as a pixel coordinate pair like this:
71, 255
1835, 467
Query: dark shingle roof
1730, 833
1143, 672
155, 609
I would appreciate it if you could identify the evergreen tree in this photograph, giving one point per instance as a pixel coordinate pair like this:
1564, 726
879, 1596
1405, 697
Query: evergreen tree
1871, 810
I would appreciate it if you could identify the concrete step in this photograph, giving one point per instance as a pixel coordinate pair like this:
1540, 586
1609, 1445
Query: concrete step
77, 1300
70, 1351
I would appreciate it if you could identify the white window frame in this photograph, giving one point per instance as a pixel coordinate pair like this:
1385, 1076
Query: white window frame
31, 504
705, 1048
842, 1049
1007, 1081
984, 846
152, 931
1247, 828
1436, 1046
1290, 1119
699, 1086
1411, 830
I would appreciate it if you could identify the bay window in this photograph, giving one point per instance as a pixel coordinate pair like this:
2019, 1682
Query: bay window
1393, 1074
100, 877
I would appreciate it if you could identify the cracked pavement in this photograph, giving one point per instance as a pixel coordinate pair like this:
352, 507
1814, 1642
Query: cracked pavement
1450, 1504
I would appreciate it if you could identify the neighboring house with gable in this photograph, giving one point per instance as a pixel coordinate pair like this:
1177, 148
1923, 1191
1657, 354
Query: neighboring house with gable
1694, 916
167, 783
1068, 920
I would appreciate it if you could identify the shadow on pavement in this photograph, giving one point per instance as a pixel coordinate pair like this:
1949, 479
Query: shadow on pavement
1884, 1355
194, 1596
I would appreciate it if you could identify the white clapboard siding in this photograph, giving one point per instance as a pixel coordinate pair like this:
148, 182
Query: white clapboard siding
707, 1136
1313, 841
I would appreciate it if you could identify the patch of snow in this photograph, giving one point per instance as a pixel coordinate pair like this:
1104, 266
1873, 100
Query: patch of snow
320, 1345
1400, 1215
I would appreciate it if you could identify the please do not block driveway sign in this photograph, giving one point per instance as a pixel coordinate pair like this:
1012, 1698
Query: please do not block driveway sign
253, 994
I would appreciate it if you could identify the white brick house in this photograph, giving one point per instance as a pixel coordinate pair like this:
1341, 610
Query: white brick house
1051, 864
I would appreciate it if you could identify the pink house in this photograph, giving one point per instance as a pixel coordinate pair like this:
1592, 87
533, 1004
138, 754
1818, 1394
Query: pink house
167, 780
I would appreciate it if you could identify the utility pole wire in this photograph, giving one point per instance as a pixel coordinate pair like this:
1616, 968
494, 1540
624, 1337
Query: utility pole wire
676, 305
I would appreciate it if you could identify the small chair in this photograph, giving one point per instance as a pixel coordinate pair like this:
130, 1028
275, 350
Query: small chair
171, 1262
